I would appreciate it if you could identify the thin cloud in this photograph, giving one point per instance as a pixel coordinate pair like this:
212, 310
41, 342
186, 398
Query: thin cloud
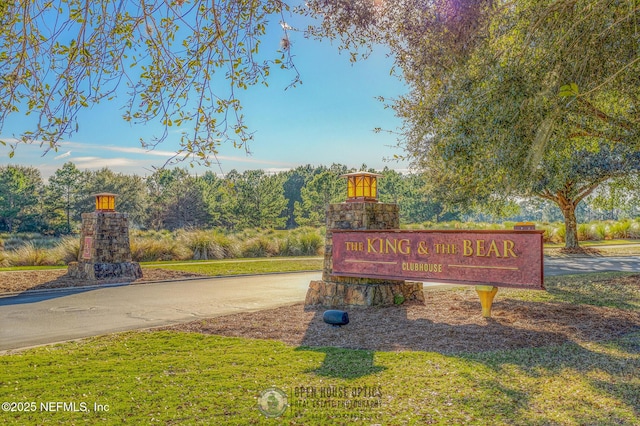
97, 162
170, 154
123, 149
61, 156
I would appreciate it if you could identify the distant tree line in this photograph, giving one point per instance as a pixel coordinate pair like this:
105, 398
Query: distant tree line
175, 199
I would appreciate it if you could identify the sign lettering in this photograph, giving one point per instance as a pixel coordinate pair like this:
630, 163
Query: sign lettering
499, 258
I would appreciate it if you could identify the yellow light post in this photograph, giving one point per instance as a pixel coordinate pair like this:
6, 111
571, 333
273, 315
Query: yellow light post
486, 293
105, 202
362, 187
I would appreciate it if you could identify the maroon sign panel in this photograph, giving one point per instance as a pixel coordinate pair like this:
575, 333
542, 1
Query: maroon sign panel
499, 258
86, 252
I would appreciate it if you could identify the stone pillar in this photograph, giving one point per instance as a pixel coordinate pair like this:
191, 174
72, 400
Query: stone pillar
336, 291
105, 254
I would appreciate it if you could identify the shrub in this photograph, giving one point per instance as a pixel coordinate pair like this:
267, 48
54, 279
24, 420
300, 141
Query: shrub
493, 226
550, 233
289, 246
202, 245
553, 233
67, 250
598, 231
230, 245
210, 245
621, 229
304, 241
634, 230
560, 233
311, 243
260, 247
584, 232
151, 249
29, 254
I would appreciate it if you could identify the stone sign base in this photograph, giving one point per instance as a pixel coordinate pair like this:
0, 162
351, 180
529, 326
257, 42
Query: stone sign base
107, 272
332, 294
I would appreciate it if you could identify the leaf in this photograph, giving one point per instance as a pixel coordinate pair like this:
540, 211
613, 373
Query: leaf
569, 90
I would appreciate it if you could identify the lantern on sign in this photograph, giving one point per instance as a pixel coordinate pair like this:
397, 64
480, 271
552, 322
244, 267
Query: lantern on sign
105, 202
362, 186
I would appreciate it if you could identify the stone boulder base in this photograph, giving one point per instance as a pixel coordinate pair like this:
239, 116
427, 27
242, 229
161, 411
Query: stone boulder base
332, 294
107, 272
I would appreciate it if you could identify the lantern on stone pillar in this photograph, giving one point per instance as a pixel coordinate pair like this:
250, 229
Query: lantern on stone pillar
362, 187
105, 202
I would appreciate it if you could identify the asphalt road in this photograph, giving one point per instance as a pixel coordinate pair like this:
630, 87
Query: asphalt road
32, 319
48, 317
585, 264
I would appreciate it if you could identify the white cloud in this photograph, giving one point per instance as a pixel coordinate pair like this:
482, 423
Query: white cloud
112, 148
61, 156
98, 162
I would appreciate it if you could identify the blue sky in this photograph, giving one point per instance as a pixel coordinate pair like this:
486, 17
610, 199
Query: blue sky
328, 119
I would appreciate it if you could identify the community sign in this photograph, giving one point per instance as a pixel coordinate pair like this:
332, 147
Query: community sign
498, 258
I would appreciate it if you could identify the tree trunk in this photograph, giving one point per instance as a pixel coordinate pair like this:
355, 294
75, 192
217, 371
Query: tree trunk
68, 211
570, 223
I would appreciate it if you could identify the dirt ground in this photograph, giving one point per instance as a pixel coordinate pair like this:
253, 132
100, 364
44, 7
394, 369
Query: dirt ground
19, 281
450, 321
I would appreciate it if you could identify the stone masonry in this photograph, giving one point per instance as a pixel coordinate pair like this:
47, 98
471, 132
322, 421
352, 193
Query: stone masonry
105, 254
336, 291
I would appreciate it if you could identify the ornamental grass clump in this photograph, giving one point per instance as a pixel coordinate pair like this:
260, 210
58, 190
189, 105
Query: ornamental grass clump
305, 241
152, 249
620, 229
550, 234
584, 232
598, 231
289, 246
206, 244
67, 250
311, 243
229, 244
202, 245
29, 254
634, 229
260, 247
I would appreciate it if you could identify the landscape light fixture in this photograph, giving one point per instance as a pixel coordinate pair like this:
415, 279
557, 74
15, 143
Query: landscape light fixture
362, 187
105, 202
336, 318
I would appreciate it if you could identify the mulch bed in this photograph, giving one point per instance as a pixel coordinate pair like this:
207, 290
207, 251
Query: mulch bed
19, 281
449, 322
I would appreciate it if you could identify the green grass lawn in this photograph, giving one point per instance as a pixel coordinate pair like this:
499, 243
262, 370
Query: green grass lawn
183, 378
221, 267
179, 378
244, 266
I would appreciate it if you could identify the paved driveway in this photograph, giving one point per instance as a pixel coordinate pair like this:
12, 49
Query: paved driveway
48, 317
584, 264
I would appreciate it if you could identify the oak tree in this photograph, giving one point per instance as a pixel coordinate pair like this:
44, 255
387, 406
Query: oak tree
508, 99
179, 63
